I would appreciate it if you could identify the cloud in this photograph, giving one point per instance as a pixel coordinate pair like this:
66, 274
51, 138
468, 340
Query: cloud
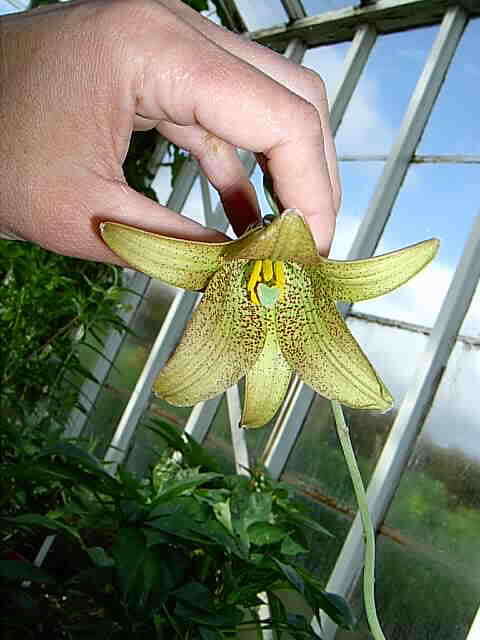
364, 128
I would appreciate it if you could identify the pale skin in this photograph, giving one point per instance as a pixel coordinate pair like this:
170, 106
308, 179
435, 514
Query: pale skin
77, 79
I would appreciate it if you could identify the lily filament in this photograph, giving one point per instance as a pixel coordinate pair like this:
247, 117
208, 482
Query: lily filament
271, 273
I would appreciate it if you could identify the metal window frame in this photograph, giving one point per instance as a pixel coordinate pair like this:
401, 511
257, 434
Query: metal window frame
295, 9
386, 16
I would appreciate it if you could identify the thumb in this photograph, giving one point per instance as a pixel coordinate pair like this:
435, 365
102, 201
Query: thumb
77, 232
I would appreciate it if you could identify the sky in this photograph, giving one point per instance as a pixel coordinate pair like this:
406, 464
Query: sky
435, 200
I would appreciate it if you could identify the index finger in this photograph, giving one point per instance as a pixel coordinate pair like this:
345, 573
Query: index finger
236, 102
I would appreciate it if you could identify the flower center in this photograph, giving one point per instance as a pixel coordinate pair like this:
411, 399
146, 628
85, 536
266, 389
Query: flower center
266, 283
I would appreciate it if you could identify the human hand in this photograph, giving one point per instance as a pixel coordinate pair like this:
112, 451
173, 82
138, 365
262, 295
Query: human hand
77, 79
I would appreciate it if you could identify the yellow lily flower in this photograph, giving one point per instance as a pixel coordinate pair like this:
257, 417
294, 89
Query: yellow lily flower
268, 310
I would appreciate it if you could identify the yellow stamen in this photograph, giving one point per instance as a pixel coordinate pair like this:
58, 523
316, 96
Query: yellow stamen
267, 270
254, 277
254, 297
279, 274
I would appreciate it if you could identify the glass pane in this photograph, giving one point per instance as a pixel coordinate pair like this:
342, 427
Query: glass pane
471, 324
131, 358
316, 464
6, 7
381, 97
358, 180
312, 7
219, 442
261, 15
453, 126
429, 557
435, 201
328, 61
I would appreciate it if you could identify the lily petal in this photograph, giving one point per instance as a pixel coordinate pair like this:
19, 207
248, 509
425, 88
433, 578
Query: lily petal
181, 263
316, 342
287, 237
223, 340
364, 279
266, 383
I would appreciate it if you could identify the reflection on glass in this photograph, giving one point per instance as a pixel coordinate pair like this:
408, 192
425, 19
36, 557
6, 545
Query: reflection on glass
453, 126
381, 97
316, 464
435, 201
428, 563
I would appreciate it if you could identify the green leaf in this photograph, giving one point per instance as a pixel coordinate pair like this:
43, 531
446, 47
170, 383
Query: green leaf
73, 452
194, 455
259, 508
227, 616
99, 557
305, 521
176, 488
291, 548
195, 594
128, 551
37, 520
292, 576
209, 634
337, 608
15, 571
223, 514
263, 533
334, 605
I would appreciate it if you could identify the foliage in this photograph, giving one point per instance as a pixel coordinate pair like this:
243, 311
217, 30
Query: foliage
50, 307
186, 552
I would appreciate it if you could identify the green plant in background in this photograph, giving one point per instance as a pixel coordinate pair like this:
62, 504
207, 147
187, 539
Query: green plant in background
189, 553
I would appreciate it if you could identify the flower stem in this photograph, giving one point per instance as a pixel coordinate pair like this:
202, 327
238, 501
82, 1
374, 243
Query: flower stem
361, 496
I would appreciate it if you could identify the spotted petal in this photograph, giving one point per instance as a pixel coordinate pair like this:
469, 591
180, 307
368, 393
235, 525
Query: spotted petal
316, 342
182, 263
267, 382
354, 280
225, 337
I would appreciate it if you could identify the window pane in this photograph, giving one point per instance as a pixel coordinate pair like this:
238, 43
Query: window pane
219, 442
358, 180
381, 97
131, 358
316, 464
260, 15
471, 323
328, 61
453, 126
312, 7
435, 201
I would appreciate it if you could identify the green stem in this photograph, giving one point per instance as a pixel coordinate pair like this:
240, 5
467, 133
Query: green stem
361, 496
